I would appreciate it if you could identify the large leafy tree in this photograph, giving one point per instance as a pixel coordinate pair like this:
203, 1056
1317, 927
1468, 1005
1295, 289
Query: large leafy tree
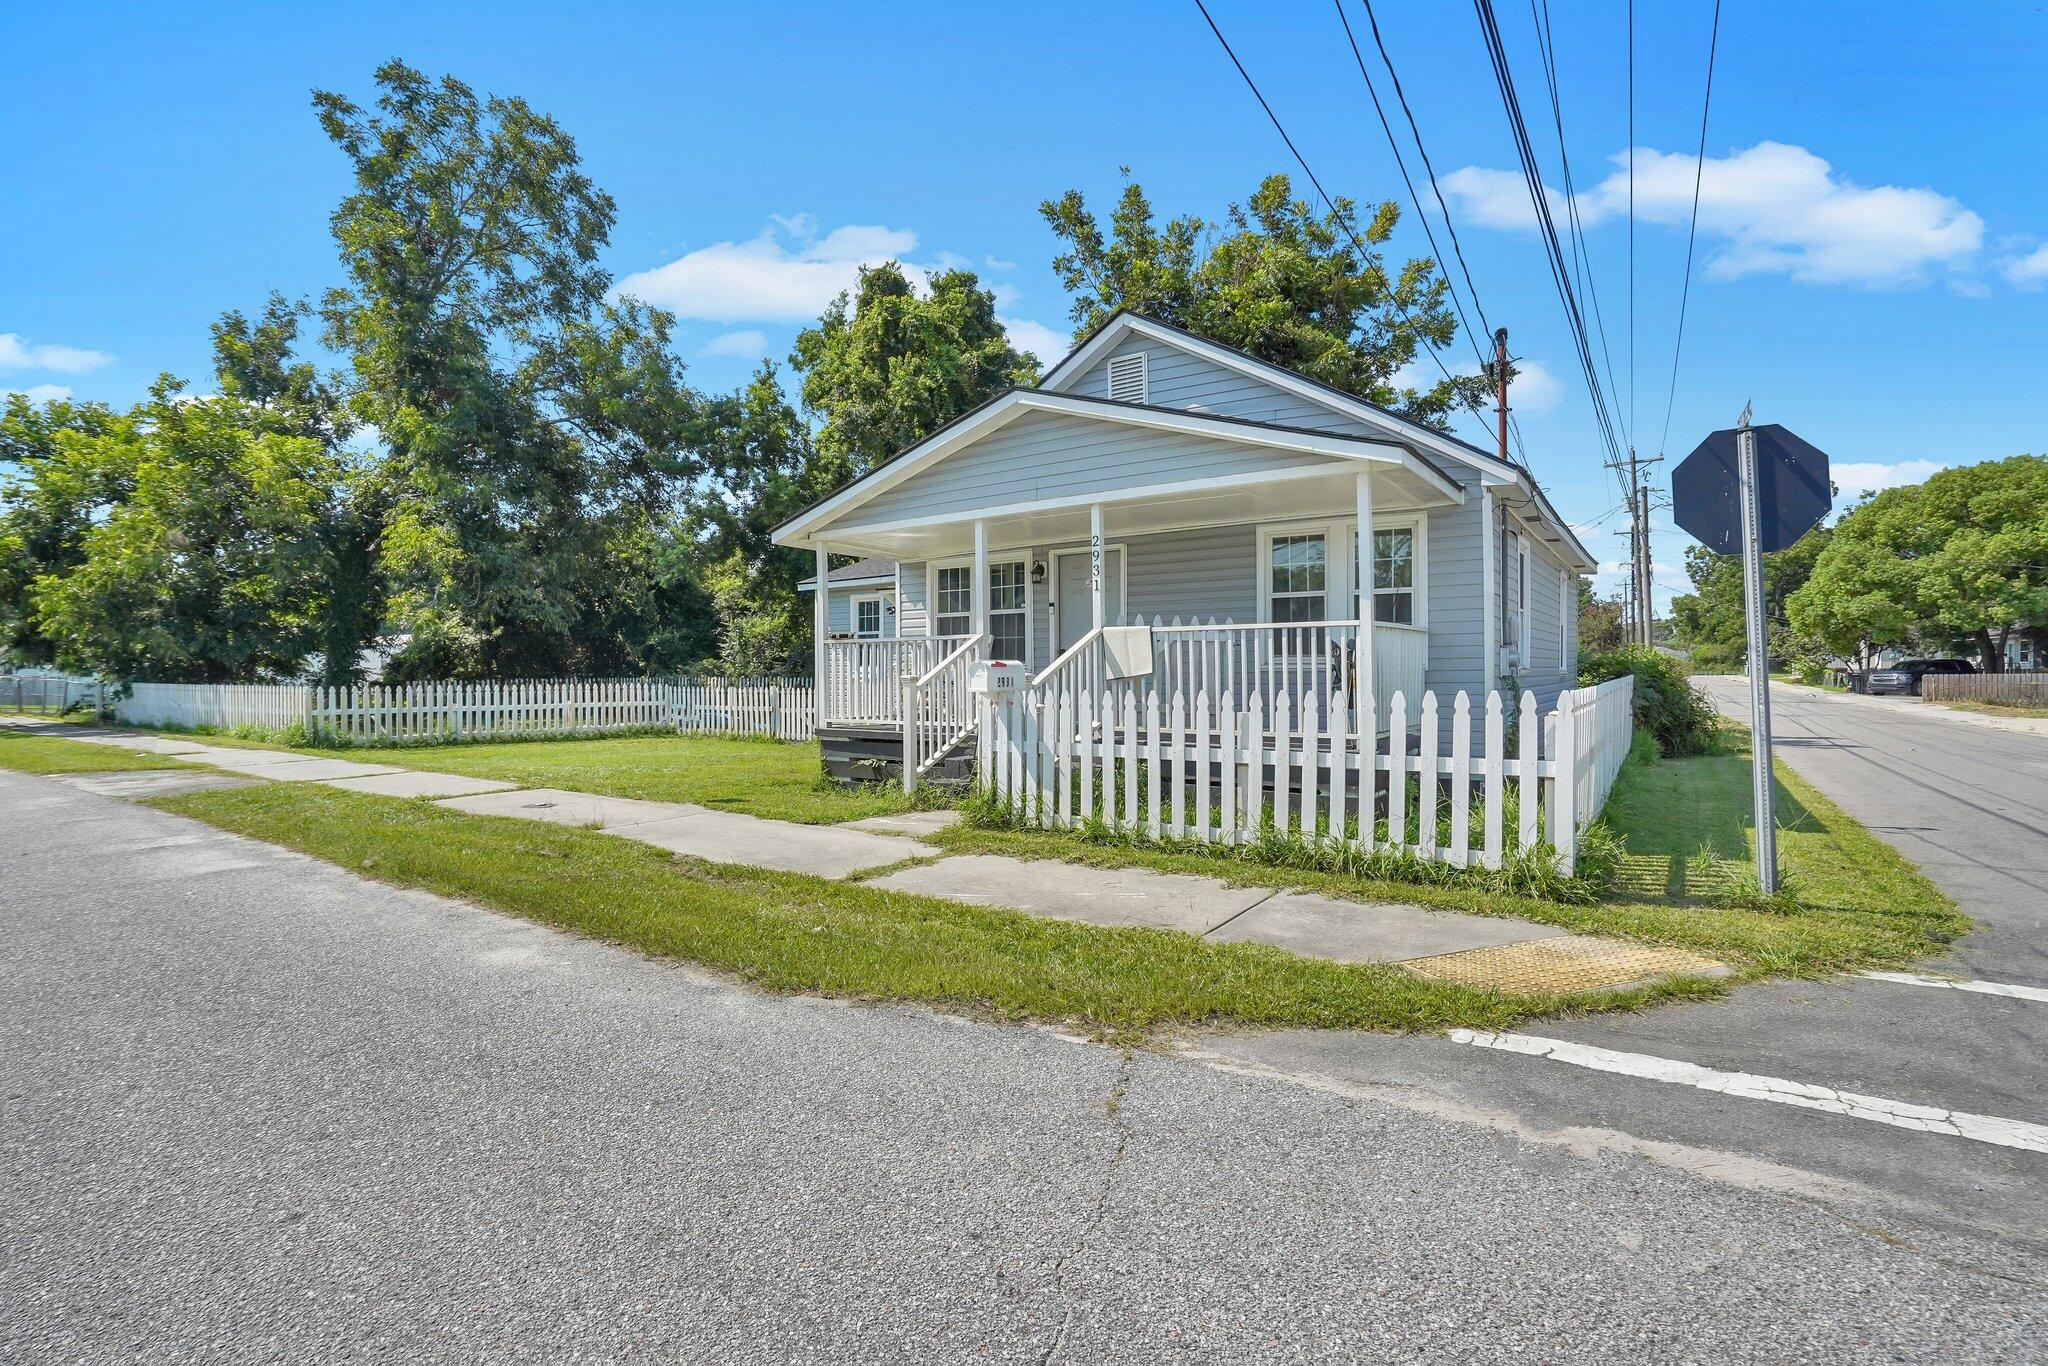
1710, 619
1306, 290
533, 426
1963, 556
211, 567
62, 465
888, 364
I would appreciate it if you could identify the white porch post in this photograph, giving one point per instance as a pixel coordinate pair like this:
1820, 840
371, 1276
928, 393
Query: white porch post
1490, 594
820, 630
1096, 564
978, 620
1363, 670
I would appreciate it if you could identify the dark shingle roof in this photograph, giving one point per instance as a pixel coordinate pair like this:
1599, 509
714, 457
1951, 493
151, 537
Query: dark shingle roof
871, 568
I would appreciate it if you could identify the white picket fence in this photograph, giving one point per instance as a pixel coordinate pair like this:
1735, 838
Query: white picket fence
212, 706
1210, 771
430, 711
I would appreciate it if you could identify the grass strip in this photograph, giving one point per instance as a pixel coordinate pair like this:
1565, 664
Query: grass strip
787, 932
755, 777
1859, 903
26, 751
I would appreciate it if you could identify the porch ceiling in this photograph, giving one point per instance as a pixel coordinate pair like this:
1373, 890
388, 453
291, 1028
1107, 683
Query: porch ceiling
1139, 512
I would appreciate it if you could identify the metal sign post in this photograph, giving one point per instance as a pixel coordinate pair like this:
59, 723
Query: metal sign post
1759, 663
1751, 491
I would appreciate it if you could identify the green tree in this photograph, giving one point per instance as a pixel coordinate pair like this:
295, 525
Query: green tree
1963, 556
212, 567
256, 361
1709, 619
886, 366
62, 465
1276, 279
529, 422
1600, 628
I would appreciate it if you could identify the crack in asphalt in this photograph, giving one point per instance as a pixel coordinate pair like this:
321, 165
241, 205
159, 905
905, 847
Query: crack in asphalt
1114, 1103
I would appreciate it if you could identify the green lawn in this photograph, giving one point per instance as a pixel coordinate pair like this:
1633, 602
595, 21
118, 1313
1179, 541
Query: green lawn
1860, 904
26, 751
792, 933
756, 777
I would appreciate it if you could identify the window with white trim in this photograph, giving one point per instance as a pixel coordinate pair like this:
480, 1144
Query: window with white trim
1514, 597
868, 619
1127, 378
1297, 575
1008, 619
953, 600
1393, 575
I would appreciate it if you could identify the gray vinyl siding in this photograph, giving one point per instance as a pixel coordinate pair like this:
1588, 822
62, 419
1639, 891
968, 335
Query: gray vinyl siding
1178, 379
839, 607
913, 615
1052, 455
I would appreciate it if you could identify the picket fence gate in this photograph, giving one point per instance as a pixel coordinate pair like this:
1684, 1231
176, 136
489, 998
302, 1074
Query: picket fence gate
431, 711
1214, 772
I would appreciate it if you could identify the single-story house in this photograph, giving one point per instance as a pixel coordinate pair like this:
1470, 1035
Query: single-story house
860, 601
1156, 479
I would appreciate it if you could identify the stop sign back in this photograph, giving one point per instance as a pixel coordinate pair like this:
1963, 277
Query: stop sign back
1792, 492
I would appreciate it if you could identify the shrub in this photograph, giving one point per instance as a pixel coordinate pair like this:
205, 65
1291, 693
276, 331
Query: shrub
1666, 703
1709, 659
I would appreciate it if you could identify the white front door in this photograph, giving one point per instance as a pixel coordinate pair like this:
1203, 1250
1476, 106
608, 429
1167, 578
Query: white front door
1073, 606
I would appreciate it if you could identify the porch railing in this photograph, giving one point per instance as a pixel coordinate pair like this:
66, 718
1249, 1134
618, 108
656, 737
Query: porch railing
1260, 662
864, 678
939, 710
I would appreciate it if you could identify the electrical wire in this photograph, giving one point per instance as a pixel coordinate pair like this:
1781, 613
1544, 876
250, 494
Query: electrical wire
1692, 230
1554, 252
1302, 161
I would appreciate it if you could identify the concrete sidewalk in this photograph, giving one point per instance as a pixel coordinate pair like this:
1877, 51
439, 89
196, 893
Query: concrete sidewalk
1445, 945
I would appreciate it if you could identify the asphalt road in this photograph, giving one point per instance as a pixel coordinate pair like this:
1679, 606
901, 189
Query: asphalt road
256, 1108
1966, 802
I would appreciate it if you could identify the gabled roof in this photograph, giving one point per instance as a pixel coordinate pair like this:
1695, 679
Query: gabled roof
1493, 470
1013, 403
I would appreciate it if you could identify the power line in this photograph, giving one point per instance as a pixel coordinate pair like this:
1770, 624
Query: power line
1306, 170
1401, 162
1631, 223
1692, 231
1559, 268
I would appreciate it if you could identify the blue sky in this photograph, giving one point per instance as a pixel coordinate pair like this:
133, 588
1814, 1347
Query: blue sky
1873, 250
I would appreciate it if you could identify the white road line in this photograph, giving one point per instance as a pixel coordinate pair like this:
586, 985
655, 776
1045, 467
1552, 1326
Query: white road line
2006, 989
2006, 1133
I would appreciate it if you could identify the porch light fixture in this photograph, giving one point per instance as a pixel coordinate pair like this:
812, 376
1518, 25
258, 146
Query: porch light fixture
1038, 571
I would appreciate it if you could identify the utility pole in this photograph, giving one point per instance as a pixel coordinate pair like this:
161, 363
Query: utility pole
1500, 386
1645, 611
1638, 615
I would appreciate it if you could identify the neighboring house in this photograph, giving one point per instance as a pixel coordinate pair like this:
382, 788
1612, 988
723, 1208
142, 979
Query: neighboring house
1225, 496
860, 600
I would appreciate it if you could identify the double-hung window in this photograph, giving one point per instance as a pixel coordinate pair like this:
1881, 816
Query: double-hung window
1393, 576
867, 618
1298, 577
1008, 620
953, 600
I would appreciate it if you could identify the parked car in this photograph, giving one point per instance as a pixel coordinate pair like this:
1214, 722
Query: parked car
1903, 678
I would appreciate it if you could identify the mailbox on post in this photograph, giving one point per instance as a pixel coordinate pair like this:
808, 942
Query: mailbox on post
999, 678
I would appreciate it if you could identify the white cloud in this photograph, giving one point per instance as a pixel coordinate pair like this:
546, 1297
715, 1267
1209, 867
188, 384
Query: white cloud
786, 275
16, 354
2029, 271
747, 345
42, 393
1534, 389
1776, 208
1049, 344
1860, 477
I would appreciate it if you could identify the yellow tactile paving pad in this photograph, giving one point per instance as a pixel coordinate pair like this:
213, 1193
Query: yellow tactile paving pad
1574, 962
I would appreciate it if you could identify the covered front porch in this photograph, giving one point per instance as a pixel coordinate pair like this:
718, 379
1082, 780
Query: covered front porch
1247, 589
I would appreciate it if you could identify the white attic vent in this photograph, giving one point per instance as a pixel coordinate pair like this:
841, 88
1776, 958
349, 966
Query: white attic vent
1127, 378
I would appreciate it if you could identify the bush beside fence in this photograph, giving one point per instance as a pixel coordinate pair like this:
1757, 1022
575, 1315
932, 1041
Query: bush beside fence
429, 712
1213, 772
